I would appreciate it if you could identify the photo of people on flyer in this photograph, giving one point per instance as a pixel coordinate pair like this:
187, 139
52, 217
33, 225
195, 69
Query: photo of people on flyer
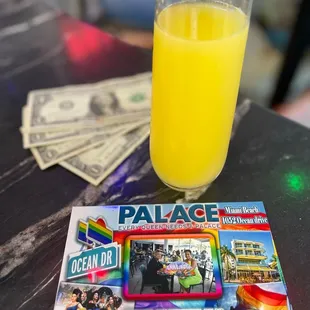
73, 296
171, 265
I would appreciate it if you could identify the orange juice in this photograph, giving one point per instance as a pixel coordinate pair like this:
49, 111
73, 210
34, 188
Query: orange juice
197, 63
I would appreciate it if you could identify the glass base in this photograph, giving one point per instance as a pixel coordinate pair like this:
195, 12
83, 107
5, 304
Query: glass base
184, 190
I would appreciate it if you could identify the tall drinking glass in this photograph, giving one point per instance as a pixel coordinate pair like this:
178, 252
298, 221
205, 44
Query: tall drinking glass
197, 62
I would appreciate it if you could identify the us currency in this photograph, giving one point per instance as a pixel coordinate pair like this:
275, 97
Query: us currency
49, 155
94, 105
96, 164
35, 139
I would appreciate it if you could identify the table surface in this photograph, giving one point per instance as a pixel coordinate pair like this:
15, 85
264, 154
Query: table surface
269, 159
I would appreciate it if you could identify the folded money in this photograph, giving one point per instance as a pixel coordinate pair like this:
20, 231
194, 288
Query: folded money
96, 164
88, 129
49, 155
41, 138
106, 103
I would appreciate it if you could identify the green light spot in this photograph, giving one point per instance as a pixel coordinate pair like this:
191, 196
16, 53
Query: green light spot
137, 97
295, 182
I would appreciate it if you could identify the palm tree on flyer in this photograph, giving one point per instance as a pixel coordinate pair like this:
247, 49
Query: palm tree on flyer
274, 262
226, 256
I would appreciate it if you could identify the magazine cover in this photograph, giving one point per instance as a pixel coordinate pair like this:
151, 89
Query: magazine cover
171, 256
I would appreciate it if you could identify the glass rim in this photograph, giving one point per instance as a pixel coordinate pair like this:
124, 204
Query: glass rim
167, 3
170, 3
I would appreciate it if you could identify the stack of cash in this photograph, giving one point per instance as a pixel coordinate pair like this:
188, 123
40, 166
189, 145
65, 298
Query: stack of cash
88, 129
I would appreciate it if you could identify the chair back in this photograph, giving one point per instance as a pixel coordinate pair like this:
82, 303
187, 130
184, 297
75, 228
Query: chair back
143, 272
202, 271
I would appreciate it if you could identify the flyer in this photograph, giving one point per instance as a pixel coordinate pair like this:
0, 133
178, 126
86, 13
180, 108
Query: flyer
171, 256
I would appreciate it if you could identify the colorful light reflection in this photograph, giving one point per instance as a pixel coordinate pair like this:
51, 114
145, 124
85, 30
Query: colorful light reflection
295, 182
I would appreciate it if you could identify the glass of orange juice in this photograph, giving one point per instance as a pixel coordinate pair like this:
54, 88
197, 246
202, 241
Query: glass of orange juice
198, 54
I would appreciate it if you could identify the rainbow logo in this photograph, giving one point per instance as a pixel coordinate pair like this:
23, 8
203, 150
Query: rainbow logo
98, 231
81, 235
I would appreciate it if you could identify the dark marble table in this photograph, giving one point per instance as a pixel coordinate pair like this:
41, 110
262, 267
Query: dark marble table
269, 159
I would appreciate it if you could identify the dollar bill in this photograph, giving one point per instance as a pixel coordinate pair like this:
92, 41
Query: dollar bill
103, 103
35, 139
49, 155
96, 164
